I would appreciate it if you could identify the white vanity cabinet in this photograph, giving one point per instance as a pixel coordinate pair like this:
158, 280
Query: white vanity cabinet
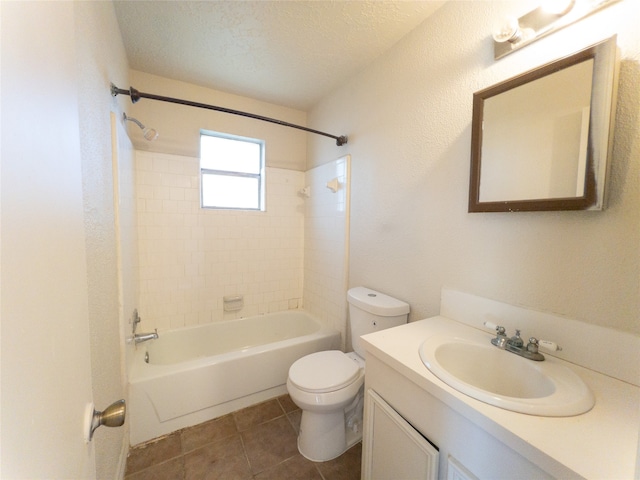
478, 440
395, 450
465, 450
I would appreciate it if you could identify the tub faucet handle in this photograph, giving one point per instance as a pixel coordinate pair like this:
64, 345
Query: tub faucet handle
135, 319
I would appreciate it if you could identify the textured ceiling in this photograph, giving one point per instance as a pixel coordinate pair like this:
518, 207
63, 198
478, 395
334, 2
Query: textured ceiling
290, 53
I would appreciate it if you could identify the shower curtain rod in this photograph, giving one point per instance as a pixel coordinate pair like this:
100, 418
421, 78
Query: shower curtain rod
137, 95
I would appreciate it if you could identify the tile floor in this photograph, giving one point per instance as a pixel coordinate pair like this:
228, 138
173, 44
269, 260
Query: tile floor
258, 442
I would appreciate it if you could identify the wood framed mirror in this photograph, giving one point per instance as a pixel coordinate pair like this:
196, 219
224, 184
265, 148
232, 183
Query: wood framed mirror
541, 140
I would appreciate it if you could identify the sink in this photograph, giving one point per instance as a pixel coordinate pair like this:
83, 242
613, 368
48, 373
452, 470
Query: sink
503, 379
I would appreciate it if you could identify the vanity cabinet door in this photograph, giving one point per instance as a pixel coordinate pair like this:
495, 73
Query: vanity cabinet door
456, 471
392, 448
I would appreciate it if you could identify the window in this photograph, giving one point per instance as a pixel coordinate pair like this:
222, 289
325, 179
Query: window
231, 172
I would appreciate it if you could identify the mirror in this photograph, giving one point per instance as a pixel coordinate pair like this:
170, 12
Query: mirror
541, 140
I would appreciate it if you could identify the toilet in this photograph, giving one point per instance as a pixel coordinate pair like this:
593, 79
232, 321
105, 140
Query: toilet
328, 386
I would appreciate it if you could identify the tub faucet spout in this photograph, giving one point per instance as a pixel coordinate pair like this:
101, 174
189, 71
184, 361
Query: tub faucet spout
143, 337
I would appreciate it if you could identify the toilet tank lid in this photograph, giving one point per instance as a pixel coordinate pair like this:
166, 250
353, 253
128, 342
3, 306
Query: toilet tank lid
376, 302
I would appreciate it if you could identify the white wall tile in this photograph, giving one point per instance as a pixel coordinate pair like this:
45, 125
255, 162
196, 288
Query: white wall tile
325, 245
191, 257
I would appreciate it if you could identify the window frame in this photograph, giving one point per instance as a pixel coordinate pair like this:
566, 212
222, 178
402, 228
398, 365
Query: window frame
261, 176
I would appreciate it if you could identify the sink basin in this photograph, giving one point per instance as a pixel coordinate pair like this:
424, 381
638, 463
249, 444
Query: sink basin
505, 380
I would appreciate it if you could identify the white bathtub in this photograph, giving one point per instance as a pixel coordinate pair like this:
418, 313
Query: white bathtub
195, 374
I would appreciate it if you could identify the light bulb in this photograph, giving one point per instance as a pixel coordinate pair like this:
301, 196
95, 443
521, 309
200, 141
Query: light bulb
509, 31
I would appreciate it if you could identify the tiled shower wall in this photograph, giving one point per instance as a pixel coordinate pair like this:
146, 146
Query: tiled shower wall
190, 258
327, 244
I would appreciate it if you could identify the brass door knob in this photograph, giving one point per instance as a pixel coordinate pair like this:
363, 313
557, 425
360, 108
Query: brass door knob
112, 416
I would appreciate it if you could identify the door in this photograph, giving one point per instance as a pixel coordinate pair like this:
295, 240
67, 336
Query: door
45, 379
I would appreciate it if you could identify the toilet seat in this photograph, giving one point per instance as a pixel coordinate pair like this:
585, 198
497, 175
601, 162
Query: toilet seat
323, 372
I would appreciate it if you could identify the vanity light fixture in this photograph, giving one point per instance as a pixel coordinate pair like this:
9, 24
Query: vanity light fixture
551, 15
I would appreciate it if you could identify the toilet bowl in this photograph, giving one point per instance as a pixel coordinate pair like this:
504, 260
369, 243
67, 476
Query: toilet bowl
324, 385
328, 386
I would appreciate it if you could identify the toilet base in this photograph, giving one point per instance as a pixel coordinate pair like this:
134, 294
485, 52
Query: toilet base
324, 437
327, 435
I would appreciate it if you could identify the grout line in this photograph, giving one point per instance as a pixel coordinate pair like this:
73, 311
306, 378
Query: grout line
290, 420
320, 473
244, 451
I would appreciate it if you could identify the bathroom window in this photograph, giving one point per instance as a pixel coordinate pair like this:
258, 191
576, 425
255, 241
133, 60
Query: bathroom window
231, 172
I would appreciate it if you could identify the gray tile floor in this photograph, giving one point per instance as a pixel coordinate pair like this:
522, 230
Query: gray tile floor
258, 442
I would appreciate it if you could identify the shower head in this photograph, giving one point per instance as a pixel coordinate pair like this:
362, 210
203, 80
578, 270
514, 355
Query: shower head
149, 133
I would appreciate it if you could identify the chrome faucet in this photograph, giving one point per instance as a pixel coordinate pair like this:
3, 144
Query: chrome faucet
515, 341
143, 337
516, 345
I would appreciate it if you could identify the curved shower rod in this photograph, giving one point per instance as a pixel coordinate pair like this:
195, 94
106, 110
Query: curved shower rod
137, 95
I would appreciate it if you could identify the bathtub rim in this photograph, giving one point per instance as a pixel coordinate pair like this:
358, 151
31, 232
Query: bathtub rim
141, 371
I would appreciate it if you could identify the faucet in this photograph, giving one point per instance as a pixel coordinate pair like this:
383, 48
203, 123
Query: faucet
516, 345
141, 337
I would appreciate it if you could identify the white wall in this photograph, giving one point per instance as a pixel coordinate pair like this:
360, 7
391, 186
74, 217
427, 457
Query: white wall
408, 117
179, 126
96, 28
190, 257
46, 368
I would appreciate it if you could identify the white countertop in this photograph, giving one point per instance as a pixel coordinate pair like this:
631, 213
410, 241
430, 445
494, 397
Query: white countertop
599, 444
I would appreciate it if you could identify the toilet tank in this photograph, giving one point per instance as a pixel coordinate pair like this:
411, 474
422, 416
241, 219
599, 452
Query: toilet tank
370, 311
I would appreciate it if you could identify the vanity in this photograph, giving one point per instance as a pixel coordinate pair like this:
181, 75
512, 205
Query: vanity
414, 420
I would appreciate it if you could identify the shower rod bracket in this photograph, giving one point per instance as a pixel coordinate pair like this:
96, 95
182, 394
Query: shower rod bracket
136, 95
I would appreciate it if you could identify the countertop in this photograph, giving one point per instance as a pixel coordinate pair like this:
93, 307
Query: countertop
599, 444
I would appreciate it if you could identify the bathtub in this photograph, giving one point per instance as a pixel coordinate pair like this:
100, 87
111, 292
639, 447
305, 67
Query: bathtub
195, 374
